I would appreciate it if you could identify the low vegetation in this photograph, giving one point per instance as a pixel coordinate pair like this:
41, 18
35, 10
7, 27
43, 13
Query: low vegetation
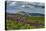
24, 22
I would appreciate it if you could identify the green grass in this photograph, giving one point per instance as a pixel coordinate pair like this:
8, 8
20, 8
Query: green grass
14, 25
11, 24
36, 19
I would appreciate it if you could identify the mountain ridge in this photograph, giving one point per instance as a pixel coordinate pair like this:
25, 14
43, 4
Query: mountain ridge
27, 14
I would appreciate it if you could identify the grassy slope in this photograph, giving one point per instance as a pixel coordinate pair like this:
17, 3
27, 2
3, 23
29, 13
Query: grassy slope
15, 25
36, 19
11, 24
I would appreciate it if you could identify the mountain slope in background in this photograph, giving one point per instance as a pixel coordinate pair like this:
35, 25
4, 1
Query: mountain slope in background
26, 13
